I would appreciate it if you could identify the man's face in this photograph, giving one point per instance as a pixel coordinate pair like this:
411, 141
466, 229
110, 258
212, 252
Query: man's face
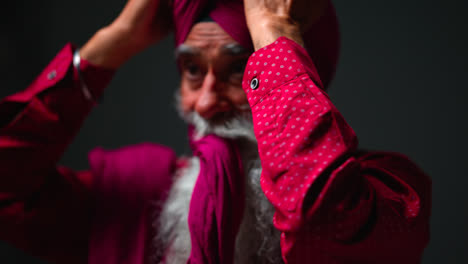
212, 65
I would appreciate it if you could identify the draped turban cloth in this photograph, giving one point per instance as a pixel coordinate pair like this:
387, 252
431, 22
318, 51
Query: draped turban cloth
321, 41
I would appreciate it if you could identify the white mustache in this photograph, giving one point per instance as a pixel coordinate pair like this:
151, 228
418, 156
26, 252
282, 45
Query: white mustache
238, 125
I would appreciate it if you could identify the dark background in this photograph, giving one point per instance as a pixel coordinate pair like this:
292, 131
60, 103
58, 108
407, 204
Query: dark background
401, 84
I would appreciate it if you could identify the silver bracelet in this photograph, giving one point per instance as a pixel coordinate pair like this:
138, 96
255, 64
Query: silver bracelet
84, 88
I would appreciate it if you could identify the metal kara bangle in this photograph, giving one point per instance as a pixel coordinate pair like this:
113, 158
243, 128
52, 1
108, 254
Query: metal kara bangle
84, 88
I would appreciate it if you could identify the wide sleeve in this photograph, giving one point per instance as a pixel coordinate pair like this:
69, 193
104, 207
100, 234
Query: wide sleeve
44, 208
332, 206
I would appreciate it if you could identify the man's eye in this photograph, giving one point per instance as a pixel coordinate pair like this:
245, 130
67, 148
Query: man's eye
192, 71
237, 72
238, 68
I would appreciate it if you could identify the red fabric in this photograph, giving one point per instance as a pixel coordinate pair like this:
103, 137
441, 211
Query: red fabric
332, 205
46, 209
322, 40
130, 186
217, 202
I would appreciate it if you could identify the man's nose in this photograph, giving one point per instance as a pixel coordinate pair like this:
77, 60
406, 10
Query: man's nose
210, 101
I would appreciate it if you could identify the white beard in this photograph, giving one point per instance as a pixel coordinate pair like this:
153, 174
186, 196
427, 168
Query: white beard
257, 240
173, 238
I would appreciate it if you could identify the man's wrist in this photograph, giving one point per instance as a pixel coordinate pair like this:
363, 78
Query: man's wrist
110, 47
267, 32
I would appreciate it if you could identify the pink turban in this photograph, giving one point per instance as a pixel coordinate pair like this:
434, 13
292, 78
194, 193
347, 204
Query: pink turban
321, 40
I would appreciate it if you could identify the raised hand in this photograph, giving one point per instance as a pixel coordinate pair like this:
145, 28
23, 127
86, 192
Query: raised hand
270, 19
140, 24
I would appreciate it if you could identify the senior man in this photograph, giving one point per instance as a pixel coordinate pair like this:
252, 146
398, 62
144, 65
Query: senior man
275, 176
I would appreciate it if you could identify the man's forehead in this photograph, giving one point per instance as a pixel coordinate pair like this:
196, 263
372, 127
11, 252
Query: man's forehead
231, 49
207, 32
209, 36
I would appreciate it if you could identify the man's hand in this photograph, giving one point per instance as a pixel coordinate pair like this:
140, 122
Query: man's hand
140, 24
269, 19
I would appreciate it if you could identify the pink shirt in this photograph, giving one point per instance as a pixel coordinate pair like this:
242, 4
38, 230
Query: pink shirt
333, 204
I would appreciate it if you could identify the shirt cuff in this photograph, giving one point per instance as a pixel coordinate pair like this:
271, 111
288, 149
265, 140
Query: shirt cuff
96, 78
274, 65
58, 71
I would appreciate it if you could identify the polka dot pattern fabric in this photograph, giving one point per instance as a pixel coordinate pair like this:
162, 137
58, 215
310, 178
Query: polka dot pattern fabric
310, 172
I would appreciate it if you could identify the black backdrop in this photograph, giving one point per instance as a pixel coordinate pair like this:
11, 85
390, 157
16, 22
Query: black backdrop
401, 84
